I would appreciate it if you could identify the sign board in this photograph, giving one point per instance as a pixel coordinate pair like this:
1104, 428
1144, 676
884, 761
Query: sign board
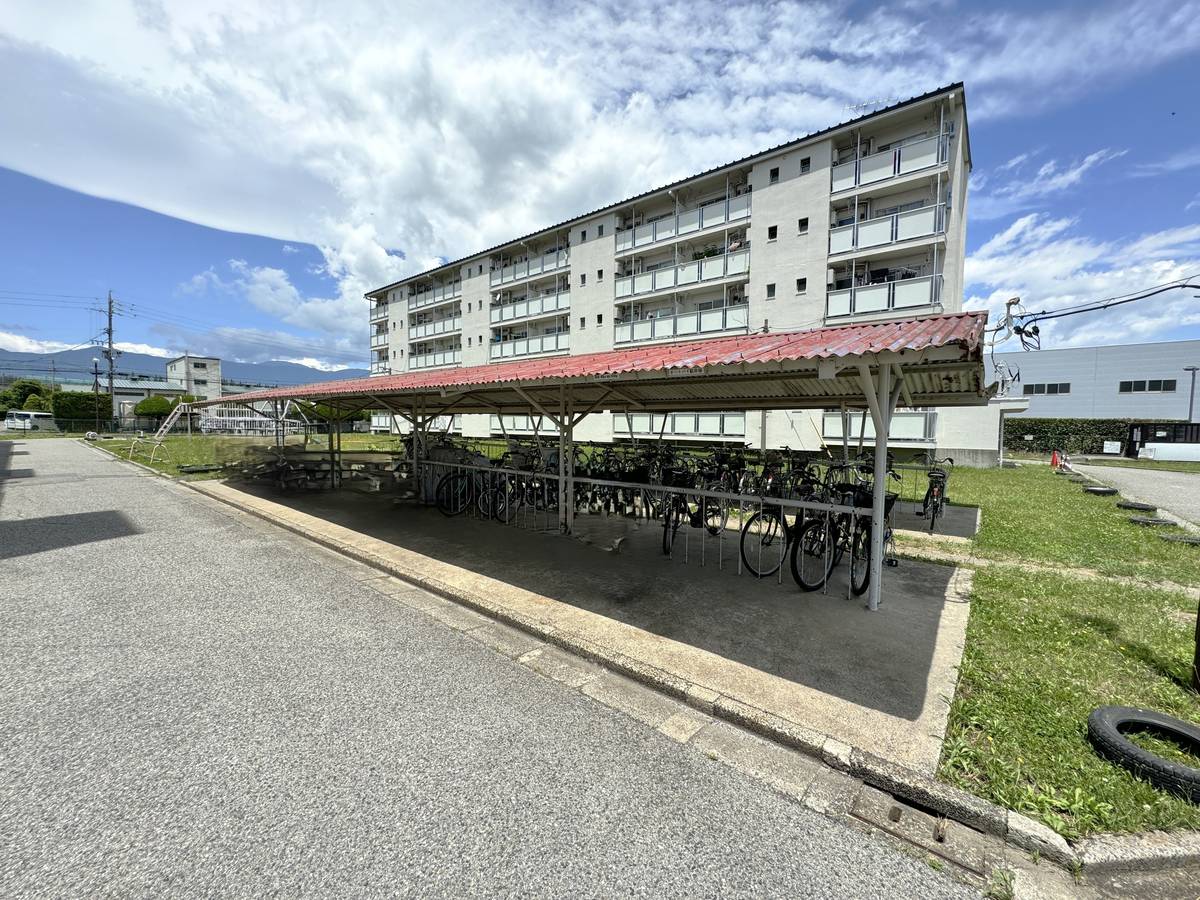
1029, 437
1112, 446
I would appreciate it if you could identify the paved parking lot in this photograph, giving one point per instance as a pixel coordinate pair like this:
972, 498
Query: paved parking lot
198, 704
1176, 492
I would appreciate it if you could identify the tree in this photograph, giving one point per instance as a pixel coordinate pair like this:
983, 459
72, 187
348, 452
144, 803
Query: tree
34, 403
154, 407
18, 392
183, 398
84, 406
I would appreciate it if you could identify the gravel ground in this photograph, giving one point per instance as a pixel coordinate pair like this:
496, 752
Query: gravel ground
196, 703
1176, 492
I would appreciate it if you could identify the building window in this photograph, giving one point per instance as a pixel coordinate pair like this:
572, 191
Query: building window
468, 342
802, 225
599, 319
1060, 387
772, 232
599, 231
801, 285
1152, 386
199, 381
805, 165
199, 365
583, 234
771, 291
582, 279
468, 307
599, 274
775, 175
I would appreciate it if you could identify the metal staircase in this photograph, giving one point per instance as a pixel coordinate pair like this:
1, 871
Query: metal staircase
169, 422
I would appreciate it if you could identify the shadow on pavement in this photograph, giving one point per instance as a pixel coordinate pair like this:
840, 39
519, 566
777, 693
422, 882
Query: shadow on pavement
20, 537
825, 641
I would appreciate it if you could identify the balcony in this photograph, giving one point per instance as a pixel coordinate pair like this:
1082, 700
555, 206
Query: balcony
907, 293
379, 368
522, 425
543, 343
698, 271
440, 293
379, 339
538, 265
448, 325
910, 426
894, 229
890, 163
707, 321
528, 307
682, 425
450, 357
378, 311
720, 212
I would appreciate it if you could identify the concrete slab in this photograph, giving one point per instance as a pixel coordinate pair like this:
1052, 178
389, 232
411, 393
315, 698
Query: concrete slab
819, 661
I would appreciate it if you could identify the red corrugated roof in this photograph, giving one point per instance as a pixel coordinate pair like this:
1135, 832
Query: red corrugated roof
964, 330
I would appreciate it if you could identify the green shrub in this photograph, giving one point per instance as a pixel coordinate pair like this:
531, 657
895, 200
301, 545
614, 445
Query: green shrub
1067, 435
81, 405
35, 403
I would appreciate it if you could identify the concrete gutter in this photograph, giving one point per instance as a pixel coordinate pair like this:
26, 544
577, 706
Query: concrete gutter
555, 623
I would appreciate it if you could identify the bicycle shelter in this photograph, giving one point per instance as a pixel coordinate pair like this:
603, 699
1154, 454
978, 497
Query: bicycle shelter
877, 366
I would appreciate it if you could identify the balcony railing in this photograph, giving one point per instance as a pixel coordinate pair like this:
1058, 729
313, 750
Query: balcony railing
538, 265
890, 163
378, 311
685, 425
437, 358
531, 306
914, 426
379, 368
448, 325
893, 229
441, 293
720, 212
522, 425
543, 343
379, 340
707, 321
907, 293
698, 271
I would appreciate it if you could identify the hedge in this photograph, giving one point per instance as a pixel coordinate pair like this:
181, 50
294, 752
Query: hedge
81, 405
1067, 435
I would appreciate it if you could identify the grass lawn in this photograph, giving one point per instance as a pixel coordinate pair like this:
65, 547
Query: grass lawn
1042, 652
33, 435
200, 449
1031, 513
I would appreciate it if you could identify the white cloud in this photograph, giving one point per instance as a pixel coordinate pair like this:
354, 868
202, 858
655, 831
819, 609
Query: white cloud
19, 343
1028, 189
288, 249
1049, 266
148, 349
1176, 162
1194, 203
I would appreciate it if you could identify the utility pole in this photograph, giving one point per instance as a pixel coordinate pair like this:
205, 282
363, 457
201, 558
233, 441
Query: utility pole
1192, 392
109, 354
96, 389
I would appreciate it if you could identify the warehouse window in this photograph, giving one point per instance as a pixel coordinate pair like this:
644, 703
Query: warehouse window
1059, 387
802, 225
801, 285
1151, 386
775, 175
771, 291
599, 231
805, 165
772, 232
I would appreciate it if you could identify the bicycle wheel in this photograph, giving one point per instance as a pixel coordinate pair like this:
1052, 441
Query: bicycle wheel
716, 516
936, 501
452, 494
860, 561
506, 499
763, 543
812, 554
672, 519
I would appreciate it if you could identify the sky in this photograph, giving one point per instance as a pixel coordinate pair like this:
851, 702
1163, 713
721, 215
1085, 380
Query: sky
239, 173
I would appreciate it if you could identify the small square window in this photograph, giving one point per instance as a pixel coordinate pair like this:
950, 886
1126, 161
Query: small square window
599, 231
583, 321
805, 165
1126, 387
583, 234
771, 291
1039, 389
802, 225
1027, 390
468, 342
599, 274
1139, 386
1155, 384
775, 175
599, 319
1168, 385
801, 285
468, 307
772, 232
582, 279
1052, 388
1064, 387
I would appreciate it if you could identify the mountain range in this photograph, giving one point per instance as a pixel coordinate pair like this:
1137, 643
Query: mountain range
76, 365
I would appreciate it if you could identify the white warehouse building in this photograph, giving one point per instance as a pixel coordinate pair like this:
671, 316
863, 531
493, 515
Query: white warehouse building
862, 222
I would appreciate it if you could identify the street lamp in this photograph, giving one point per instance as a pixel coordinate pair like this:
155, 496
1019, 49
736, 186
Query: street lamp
1192, 392
96, 389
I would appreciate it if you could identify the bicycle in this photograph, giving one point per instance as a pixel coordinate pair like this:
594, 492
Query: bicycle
764, 528
934, 504
697, 511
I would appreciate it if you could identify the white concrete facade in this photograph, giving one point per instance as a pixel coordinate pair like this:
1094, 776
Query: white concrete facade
199, 376
861, 222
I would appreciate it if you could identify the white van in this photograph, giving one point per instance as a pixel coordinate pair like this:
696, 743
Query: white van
20, 420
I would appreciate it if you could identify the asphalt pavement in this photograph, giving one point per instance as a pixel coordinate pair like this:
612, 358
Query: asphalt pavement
196, 703
1176, 492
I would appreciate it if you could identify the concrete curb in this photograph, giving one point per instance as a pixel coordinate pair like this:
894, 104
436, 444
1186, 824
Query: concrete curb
1159, 850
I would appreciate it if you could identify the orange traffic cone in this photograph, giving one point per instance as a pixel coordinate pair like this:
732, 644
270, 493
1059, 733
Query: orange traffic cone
1054, 460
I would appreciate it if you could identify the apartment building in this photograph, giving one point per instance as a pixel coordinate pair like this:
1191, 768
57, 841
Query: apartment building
199, 376
861, 222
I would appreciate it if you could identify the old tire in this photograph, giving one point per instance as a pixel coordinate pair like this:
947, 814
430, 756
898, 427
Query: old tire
1107, 727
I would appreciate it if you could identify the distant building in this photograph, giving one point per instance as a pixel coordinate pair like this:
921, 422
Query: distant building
127, 392
1121, 381
199, 376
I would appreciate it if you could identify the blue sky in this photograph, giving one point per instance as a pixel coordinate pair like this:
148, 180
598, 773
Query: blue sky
239, 173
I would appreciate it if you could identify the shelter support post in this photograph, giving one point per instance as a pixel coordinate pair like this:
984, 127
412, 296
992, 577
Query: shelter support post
882, 400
